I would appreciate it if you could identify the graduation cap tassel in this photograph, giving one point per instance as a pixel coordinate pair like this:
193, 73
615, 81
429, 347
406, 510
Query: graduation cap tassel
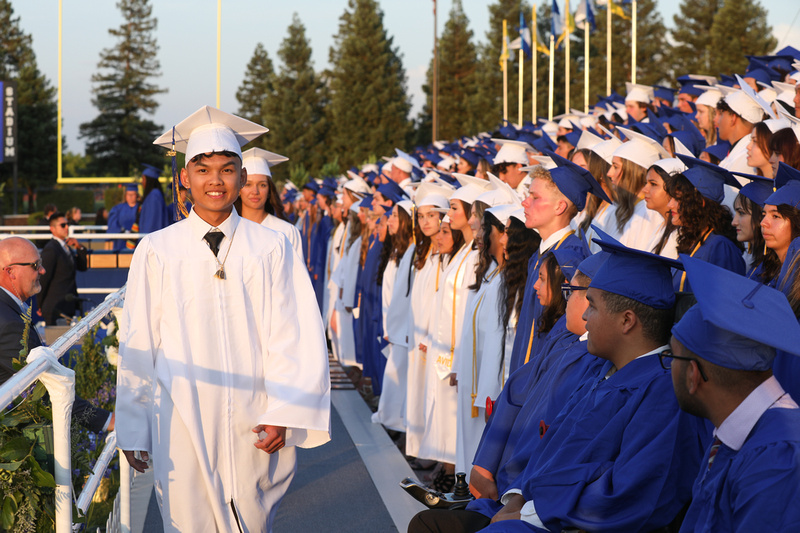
180, 212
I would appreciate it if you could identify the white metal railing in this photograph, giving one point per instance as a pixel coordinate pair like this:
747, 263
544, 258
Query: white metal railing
42, 364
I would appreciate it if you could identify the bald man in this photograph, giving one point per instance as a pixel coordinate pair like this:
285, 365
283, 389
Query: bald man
20, 272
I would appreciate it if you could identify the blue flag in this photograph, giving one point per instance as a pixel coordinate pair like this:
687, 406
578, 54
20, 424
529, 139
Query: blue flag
525, 35
585, 13
556, 22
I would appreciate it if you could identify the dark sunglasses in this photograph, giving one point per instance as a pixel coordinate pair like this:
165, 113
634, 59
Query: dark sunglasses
36, 265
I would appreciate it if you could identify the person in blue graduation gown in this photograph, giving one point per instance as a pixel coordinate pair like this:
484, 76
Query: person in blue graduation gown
518, 417
722, 350
122, 216
371, 299
555, 197
153, 215
704, 224
309, 218
320, 235
620, 455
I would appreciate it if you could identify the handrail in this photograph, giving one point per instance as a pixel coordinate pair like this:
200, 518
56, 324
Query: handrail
98, 471
76, 332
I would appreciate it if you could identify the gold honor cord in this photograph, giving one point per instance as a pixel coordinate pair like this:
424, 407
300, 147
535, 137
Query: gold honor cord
455, 293
533, 325
694, 251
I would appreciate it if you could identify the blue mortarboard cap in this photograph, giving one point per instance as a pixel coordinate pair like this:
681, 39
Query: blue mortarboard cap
691, 141
719, 150
132, 187
313, 201
433, 157
312, 185
545, 143
727, 81
473, 158
761, 71
759, 188
737, 323
785, 175
789, 195
366, 201
325, 190
693, 87
789, 51
592, 264
574, 181
508, 131
151, 172
573, 137
568, 259
664, 93
391, 191
528, 137
290, 196
387, 211
634, 274
707, 178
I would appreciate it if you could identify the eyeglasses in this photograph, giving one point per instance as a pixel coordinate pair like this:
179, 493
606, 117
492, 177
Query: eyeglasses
35, 265
566, 289
62, 225
666, 357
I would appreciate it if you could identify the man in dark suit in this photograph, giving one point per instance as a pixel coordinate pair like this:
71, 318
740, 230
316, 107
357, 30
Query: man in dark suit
19, 281
62, 256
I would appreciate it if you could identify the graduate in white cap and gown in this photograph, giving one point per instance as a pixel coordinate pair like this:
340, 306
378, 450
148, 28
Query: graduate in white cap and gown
223, 364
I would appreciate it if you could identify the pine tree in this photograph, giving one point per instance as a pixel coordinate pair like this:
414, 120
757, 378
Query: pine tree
740, 28
295, 111
120, 139
692, 52
36, 108
257, 85
458, 62
369, 106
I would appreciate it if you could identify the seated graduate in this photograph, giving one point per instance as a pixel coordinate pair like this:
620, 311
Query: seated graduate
722, 351
763, 263
529, 402
621, 455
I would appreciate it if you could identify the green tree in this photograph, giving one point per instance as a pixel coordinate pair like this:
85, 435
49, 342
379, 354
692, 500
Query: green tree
295, 112
740, 28
458, 62
692, 52
120, 138
257, 85
36, 108
369, 106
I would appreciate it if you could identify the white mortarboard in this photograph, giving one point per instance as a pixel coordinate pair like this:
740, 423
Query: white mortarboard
511, 152
209, 130
671, 165
446, 162
402, 164
606, 149
446, 219
407, 157
619, 110
746, 107
640, 149
386, 169
407, 206
258, 161
370, 167
681, 148
777, 124
794, 121
588, 121
468, 193
768, 93
289, 186
785, 92
639, 93
550, 128
765, 107
466, 179
587, 140
432, 195
500, 193
543, 161
710, 96
356, 185
505, 211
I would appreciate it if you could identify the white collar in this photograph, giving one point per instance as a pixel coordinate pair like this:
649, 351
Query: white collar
200, 227
613, 369
735, 429
584, 337
548, 243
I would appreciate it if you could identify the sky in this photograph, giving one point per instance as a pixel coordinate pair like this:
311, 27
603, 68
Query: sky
187, 37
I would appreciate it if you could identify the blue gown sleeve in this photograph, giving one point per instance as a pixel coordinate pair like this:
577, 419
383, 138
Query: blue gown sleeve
154, 213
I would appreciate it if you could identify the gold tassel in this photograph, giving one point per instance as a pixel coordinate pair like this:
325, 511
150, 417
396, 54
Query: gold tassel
474, 408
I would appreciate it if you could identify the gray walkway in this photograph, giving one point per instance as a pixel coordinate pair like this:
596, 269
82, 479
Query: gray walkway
349, 484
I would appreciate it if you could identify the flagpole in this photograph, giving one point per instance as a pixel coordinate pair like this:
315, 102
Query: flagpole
219, 48
552, 58
435, 76
521, 72
608, 47
566, 55
534, 68
586, 60
505, 71
633, 47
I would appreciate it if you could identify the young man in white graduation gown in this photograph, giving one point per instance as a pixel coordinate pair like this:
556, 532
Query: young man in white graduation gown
223, 365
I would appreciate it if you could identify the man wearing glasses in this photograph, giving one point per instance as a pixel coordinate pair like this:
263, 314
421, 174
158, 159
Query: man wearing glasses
20, 273
62, 256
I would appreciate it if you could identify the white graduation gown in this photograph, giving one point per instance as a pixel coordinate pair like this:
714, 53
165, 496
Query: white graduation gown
640, 232
439, 439
736, 161
332, 290
345, 278
392, 404
292, 233
423, 293
203, 361
480, 349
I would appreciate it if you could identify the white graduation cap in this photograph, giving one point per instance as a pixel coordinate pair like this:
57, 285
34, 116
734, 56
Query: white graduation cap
466, 179
639, 93
587, 140
711, 80
606, 148
512, 151
785, 92
640, 149
407, 157
763, 104
544, 161
386, 170
767, 92
402, 164
505, 211
209, 130
370, 167
468, 193
356, 185
407, 206
258, 161
446, 162
711, 95
433, 195
550, 128
777, 124
794, 121
500, 193
671, 165
681, 148
619, 109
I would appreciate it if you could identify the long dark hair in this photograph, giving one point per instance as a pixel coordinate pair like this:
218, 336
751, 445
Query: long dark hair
598, 167
669, 227
558, 305
386, 253
698, 214
485, 258
149, 185
355, 228
522, 243
273, 205
760, 253
423, 246
402, 239
784, 143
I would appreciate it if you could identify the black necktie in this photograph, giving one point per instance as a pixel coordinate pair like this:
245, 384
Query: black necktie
213, 238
